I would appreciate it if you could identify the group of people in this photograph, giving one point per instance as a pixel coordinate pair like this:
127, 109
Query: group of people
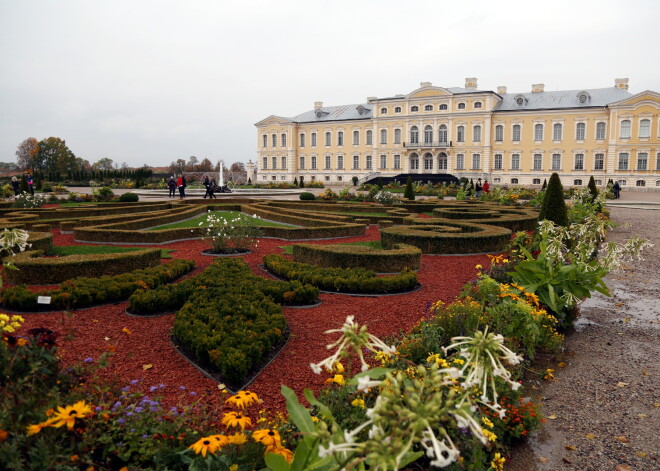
16, 184
179, 182
479, 188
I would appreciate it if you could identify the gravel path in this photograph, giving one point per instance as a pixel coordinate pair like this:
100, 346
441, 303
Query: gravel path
604, 406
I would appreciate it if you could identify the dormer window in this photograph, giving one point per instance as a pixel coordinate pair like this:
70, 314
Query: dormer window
319, 114
428, 108
461, 106
383, 111
414, 108
360, 109
583, 97
520, 100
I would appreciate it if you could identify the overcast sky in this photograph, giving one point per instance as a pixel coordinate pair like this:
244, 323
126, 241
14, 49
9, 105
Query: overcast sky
153, 81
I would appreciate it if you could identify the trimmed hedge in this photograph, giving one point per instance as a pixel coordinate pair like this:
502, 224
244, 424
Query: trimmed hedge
347, 280
84, 292
40, 241
221, 272
449, 237
34, 269
359, 256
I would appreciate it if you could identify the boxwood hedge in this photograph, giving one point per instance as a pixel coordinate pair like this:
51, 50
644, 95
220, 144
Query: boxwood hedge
392, 260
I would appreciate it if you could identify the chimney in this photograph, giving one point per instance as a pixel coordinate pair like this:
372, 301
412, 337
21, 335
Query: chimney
471, 83
318, 105
501, 90
621, 83
424, 84
371, 99
537, 87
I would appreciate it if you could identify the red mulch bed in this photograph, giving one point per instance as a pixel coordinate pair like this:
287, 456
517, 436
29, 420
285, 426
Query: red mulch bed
84, 331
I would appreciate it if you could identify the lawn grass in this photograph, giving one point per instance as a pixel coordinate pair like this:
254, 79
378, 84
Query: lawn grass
240, 218
63, 251
288, 249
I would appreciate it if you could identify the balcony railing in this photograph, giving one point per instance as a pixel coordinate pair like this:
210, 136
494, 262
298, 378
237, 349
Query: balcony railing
426, 145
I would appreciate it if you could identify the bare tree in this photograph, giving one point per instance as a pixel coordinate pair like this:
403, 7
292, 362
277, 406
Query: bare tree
25, 153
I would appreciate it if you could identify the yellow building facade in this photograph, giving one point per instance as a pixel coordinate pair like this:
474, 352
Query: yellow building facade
506, 138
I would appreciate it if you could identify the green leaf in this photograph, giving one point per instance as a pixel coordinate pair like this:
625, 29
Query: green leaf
297, 413
276, 462
325, 411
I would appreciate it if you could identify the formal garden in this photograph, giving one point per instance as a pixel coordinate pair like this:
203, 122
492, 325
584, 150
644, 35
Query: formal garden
334, 332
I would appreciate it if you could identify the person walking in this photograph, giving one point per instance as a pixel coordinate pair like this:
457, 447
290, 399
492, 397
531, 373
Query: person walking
617, 190
180, 184
171, 184
30, 184
15, 185
486, 187
478, 188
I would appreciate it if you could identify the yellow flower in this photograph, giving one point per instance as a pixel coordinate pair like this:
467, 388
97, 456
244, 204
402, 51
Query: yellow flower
270, 438
458, 361
315, 419
67, 415
233, 467
548, 374
338, 368
236, 419
237, 439
339, 379
489, 435
498, 462
358, 403
438, 360
286, 453
478, 267
220, 440
486, 421
204, 445
382, 357
243, 399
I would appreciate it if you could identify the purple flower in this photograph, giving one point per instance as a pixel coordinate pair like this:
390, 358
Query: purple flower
144, 435
128, 414
135, 381
88, 360
116, 405
183, 388
193, 393
161, 385
138, 409
97, 408
173, 409
120, 421
153, 388
125, 388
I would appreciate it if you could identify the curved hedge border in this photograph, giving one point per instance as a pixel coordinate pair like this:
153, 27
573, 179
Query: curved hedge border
448, 237
347, 280
221, 272
495, 215
393, 260
40, 241
35, 269
84, 292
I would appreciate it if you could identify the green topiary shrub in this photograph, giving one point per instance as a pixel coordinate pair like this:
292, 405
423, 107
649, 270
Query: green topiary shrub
295, 181
592, 188
306, 196
554, 207
129, 198
409, 193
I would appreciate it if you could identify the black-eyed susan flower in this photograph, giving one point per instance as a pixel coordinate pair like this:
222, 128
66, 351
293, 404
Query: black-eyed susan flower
237, 439
498, 462
236, 419
67, 415
285, 452
268, 437
204, 445
243, 399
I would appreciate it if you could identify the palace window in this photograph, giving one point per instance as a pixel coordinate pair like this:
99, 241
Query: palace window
577, 182
515, 134
340, 138
370, 164
428, 108
313, 164
640, 183
645, 128
579, 162
274, 139
460, 162
442, 134
340, 162
283, 163
623, 182
476, 133
536, 181
537, 162
557, 131
538, 132
383, 136
397, 109
265, 163
460, 133
514, 181
414, 108
397, 162
515, 161
302, 140
265, 138
625, 129
599, 161
414, 135
498, 162
283, 139
580, 131
356, 162
600, 131
302, 163
397, 136
442, 161
328, 162
476, 161
428, 162
499, 133
383, 111
328, 138
556, 162
383, 162
428, 134
497, 180
642, 161
370, 137
442, 107
356, 138
313, 139
477, 104
657, 161
461, 106
623, 161
414, 162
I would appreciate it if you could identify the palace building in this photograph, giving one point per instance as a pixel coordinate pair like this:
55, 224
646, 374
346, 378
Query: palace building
507, 138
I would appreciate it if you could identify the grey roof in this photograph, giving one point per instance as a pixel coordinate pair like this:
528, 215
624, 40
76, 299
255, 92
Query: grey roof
598, 97
335, 113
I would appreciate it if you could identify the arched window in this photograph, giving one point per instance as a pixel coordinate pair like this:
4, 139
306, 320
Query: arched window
265, 137
383, 111
356, 138
477, 104
340, 138
383, 136
265, 163
414, 162
428, 161
625, 129
461, 106
442, 107
414, 135
370, 137
397, 136
514, 181
313, 139
640, 183
428, 134
328, 138
302, 140
645, 128
499, 133
460, 133
414, 108
442, 134
538, 132
497, 164
283, 139
442, 161
580, 131
476, 133
397, 109
515, 133
313, 165
600, 131
577, 182
536, 181
283, 163
302, 163
274, 136
476, 161
428, 108
557, 132
274, 163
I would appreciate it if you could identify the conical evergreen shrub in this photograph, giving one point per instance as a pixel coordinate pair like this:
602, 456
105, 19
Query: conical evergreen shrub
545, 184
554, 207
409, 192
295, 181
592, 188
380, 183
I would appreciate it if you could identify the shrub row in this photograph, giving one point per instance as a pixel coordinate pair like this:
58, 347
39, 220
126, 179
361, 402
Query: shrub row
392, 260
68, 224
35, 269
447, 237
222, 272
83, 292
41, 241
513, 219
347, 280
